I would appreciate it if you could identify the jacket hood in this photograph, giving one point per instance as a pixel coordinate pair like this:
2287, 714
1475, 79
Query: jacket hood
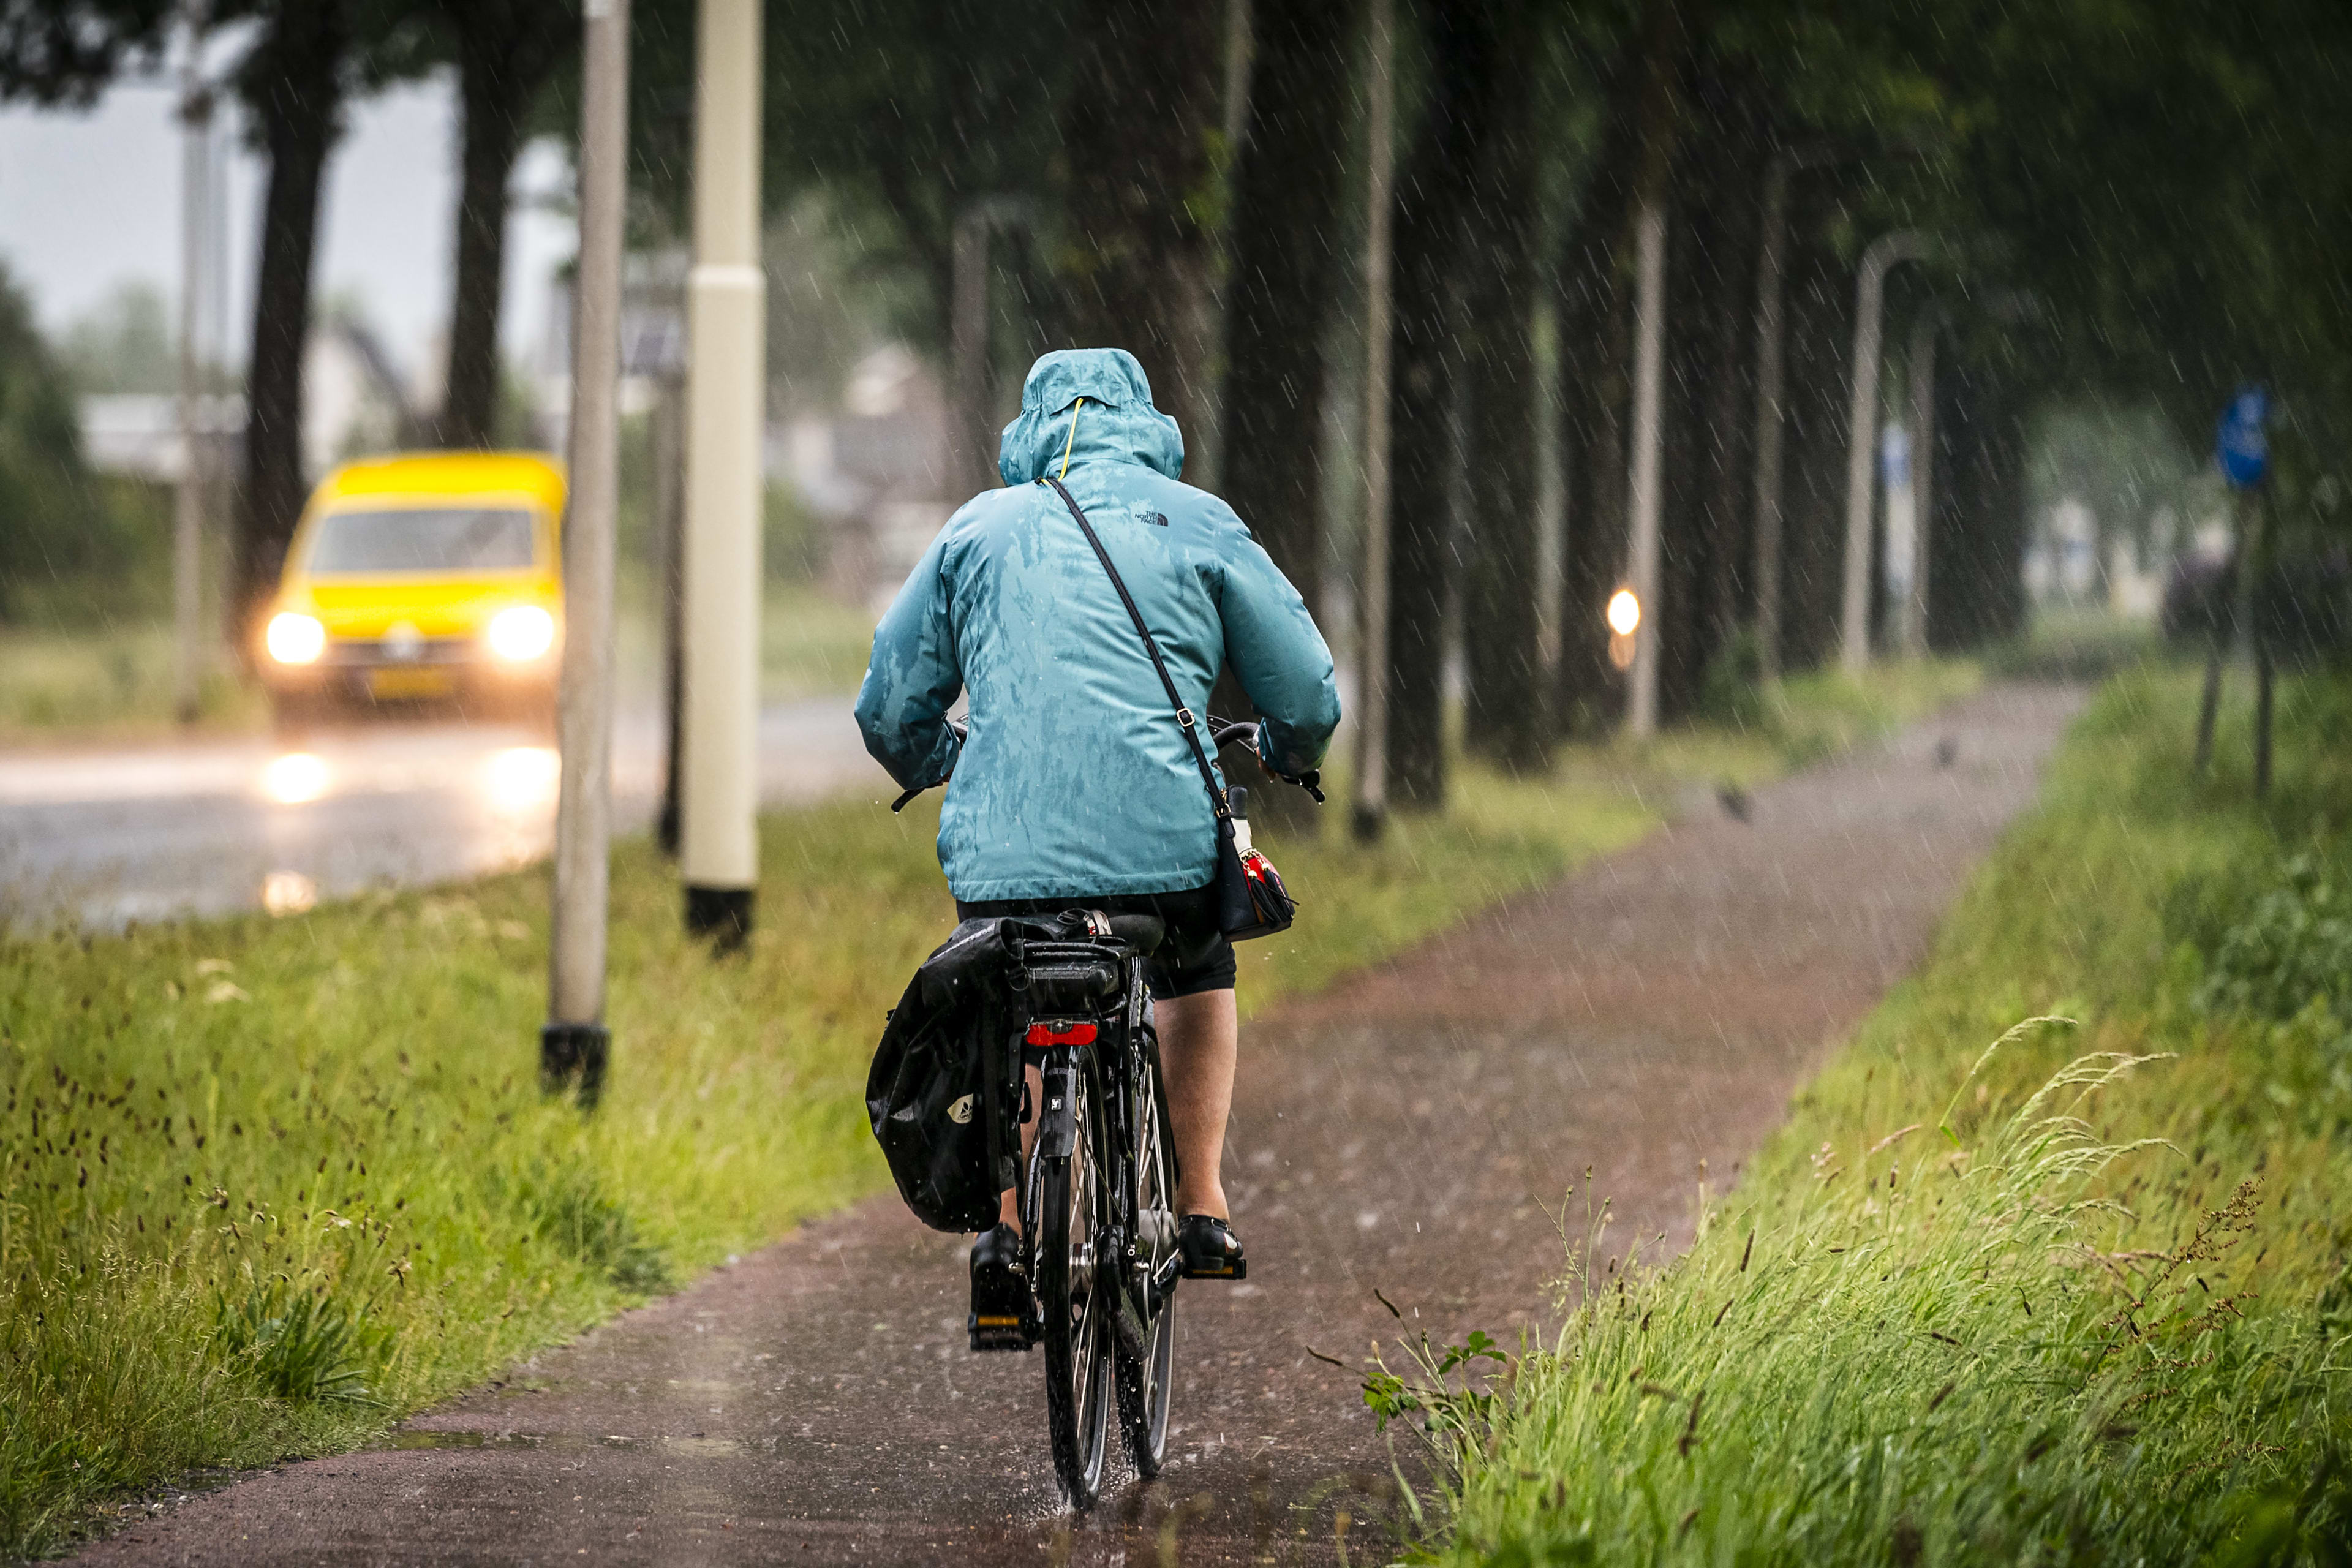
1117, 425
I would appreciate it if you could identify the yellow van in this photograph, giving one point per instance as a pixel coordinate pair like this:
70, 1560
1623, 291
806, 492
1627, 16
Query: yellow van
432, 577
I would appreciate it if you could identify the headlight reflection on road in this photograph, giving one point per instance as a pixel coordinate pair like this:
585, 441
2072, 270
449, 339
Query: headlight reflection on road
295, 778
524, 778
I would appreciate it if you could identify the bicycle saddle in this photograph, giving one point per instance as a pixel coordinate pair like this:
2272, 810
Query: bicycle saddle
1142, 932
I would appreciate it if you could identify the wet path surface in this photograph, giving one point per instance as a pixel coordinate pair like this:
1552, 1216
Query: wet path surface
1406, 1130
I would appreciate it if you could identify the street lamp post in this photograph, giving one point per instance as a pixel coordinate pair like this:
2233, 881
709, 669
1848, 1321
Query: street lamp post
1649, 372
1870, 300
718, 845
575, 1043
1922, 362
188, 497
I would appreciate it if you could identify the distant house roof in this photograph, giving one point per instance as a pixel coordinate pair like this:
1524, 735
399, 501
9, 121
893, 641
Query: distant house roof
137, 433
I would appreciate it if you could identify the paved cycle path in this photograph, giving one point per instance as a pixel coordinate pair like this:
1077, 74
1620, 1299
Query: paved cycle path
1406, 1131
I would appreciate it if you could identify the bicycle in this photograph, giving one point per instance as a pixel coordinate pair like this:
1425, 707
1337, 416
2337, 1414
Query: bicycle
1097, 1195
1097, 1186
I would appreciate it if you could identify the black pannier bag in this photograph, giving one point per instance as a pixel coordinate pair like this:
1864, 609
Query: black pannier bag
936, 1096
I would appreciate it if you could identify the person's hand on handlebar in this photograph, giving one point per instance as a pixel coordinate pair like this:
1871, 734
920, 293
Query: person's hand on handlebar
963, 728
1224, 732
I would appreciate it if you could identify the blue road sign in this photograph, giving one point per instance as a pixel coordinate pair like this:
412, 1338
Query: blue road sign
2239, 444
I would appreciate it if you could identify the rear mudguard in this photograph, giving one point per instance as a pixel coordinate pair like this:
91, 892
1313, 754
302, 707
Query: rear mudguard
1057, 1126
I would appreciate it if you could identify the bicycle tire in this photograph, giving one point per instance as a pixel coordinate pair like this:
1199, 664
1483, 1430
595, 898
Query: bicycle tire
1144, 1382
1077, 1318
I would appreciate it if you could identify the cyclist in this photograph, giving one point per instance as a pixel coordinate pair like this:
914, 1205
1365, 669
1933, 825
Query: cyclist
1073, 785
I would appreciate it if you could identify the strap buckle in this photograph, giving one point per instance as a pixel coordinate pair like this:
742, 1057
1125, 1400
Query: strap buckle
1184, 717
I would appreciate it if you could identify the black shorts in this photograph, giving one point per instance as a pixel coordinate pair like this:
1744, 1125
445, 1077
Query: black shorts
1195, 955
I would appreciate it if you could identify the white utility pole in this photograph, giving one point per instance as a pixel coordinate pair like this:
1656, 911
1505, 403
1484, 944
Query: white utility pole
1372, 804
726, 409
1649, 372
1923, 475
188, 499
1862, 428
575, 1043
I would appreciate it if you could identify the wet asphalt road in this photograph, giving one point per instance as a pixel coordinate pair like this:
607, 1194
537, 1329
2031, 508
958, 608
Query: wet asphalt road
145, 833
1406, 1130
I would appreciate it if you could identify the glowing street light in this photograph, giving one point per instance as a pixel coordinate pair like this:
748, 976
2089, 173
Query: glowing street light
1624, 612
1624, 615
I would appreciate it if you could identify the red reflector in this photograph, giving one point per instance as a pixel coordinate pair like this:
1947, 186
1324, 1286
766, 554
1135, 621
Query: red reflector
1074, 1034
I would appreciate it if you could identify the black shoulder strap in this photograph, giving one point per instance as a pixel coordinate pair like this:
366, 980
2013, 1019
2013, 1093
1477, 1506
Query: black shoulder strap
1184, 715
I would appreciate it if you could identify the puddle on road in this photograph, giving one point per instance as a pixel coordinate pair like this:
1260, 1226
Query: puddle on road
575, 1443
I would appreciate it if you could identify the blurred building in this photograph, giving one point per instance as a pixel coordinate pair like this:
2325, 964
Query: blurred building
355, 401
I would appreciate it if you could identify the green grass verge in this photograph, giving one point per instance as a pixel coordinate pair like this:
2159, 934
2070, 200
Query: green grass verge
117, 680
267, 1184
2082, 1298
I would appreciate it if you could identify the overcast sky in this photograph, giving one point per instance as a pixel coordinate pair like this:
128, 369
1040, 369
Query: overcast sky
91, 201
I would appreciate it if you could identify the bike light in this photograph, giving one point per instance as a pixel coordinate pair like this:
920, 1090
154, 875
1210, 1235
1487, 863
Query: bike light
1624, 612
521, 633
1060, 1035
295, 638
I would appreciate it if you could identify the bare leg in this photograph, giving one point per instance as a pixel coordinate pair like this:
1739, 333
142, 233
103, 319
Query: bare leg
1198, 1044
1008, 1202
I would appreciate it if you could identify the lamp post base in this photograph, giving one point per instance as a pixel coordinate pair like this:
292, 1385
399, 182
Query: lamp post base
569, 1053
723, 914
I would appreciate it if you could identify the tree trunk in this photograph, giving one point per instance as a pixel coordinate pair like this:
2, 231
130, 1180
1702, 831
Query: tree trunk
507, 50
1709, 331
292, 84
1506, 718
1820, 326
1596, 315
470, 397
1980, 587
1139, 139
1594, 349
1277, 298
1433, 216
1730, 255
1285, 217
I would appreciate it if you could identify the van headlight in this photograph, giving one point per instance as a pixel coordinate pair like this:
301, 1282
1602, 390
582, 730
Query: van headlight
521, 633
295, 638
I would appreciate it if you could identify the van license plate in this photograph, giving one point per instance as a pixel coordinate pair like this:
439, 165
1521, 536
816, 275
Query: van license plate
395, 683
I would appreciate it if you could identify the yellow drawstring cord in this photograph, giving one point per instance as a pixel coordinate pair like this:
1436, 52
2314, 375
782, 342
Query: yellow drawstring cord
1073, 441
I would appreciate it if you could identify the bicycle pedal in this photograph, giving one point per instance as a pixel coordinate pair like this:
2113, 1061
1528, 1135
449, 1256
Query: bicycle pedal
1236, 1270
996, 1333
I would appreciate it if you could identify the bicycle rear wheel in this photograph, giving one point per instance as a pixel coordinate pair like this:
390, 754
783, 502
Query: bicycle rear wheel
1143, 1382
1079, 1339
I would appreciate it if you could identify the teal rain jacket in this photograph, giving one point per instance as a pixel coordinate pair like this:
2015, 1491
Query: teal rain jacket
1073, 778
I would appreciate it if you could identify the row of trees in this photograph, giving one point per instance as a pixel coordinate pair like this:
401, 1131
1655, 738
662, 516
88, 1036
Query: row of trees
298, 67
2140, 201
2136, 199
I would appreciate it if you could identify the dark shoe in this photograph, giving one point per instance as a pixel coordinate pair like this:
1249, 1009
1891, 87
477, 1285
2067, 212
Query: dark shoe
1209, 1249
1000, 1296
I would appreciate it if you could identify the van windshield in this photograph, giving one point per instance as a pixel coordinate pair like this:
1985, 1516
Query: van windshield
455, 539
